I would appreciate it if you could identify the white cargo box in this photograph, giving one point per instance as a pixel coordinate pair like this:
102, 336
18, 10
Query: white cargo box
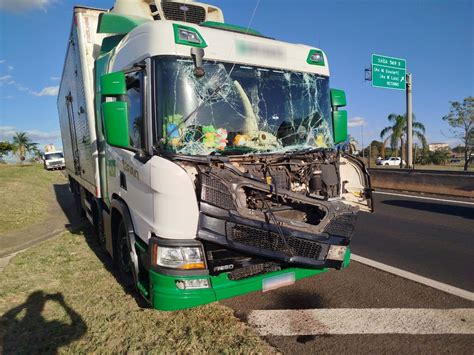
76, 100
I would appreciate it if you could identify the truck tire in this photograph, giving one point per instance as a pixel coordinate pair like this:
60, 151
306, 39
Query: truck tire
98, 226
78, 204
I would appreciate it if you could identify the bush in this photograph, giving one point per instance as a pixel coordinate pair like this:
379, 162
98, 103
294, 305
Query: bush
438, 157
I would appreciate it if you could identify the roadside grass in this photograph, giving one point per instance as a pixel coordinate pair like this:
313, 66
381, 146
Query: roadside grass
25, 194
60, 296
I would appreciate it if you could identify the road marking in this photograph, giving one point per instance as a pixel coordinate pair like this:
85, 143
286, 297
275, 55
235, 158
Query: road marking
362, 321
424, 198
414, 277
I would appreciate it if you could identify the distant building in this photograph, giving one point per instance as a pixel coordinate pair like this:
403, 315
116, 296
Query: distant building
49, 148
437, 146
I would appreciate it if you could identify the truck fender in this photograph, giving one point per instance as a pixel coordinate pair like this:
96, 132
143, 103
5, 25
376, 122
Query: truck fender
121, 207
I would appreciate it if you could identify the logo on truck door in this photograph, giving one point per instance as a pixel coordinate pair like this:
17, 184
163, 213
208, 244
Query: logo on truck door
111, 168
130, 169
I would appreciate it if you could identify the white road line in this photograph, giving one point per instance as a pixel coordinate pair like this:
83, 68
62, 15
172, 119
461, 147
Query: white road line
424, 198
414, 277
363, 321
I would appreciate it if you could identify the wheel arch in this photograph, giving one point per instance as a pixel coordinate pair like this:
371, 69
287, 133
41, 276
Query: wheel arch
120, 211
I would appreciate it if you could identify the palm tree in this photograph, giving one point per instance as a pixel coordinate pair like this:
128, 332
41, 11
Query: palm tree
397, 132
22, 144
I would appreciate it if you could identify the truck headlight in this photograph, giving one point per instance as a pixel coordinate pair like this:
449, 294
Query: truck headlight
185, 258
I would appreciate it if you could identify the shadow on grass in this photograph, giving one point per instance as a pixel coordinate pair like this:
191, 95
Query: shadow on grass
32, 333
79, 225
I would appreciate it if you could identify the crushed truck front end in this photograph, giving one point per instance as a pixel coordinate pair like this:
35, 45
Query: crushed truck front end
220, 156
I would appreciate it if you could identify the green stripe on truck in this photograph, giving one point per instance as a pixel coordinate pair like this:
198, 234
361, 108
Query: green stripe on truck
167, 297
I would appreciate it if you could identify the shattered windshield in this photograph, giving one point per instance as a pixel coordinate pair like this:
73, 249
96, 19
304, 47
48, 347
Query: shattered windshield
252, 110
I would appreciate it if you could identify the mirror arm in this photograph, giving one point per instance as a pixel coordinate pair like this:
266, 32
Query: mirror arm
197, 54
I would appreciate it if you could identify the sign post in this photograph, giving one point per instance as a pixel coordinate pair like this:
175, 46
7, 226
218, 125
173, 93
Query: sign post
409, 123
391, 73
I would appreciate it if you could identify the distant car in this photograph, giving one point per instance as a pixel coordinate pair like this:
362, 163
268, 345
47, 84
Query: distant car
54, 160
393, 161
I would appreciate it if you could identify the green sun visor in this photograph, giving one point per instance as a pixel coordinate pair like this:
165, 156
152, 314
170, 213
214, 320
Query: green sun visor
118, 24
232, 28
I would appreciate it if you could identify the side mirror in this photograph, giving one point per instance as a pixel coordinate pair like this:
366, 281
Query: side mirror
338, 98
339, 118
115, 113
115, 117
113, 84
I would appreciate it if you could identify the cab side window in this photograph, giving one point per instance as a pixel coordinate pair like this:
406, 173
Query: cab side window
135, 102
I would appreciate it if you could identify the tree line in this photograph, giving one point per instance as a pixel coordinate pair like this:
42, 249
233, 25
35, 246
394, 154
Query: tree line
21, 145
393, 137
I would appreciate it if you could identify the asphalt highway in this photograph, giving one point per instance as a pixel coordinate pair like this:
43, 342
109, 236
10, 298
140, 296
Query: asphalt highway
366, 310
429, 237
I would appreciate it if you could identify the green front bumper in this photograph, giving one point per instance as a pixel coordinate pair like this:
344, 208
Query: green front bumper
166, 296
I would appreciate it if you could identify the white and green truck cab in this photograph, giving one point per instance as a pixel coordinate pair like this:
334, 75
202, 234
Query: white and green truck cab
206, 155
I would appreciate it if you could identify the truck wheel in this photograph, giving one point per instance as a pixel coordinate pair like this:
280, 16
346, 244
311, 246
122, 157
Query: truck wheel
77, 202
98, 227
123, 261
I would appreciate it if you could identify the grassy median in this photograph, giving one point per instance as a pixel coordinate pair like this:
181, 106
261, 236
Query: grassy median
25, 194
63, 295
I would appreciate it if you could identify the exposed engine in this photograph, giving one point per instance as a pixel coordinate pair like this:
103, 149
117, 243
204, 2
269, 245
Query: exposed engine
281, 207
290, 190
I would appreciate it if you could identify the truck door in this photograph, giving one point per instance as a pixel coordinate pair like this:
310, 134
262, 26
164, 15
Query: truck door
73, 134
356, 189
128, 175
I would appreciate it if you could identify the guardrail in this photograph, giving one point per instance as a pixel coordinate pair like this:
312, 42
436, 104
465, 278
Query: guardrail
452, 183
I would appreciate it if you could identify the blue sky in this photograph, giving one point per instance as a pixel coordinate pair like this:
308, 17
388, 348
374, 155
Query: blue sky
436, 37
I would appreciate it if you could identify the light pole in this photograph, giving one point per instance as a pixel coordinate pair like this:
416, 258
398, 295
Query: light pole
409, 122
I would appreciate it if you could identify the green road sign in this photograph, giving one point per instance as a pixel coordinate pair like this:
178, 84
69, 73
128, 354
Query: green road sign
388, 72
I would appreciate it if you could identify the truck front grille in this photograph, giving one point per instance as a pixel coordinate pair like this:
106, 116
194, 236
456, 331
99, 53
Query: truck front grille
253, 270
263, 239
184, 12
342, 225
215, 192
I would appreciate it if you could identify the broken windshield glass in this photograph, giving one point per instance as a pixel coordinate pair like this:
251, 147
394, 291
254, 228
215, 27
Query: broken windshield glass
238, 109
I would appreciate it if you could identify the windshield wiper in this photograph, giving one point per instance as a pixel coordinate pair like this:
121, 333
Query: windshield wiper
198, 107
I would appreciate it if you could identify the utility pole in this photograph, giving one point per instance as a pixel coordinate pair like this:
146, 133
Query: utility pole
370, 153
409, 121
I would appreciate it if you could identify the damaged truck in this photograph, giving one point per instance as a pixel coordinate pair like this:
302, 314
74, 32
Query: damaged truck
206, 155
